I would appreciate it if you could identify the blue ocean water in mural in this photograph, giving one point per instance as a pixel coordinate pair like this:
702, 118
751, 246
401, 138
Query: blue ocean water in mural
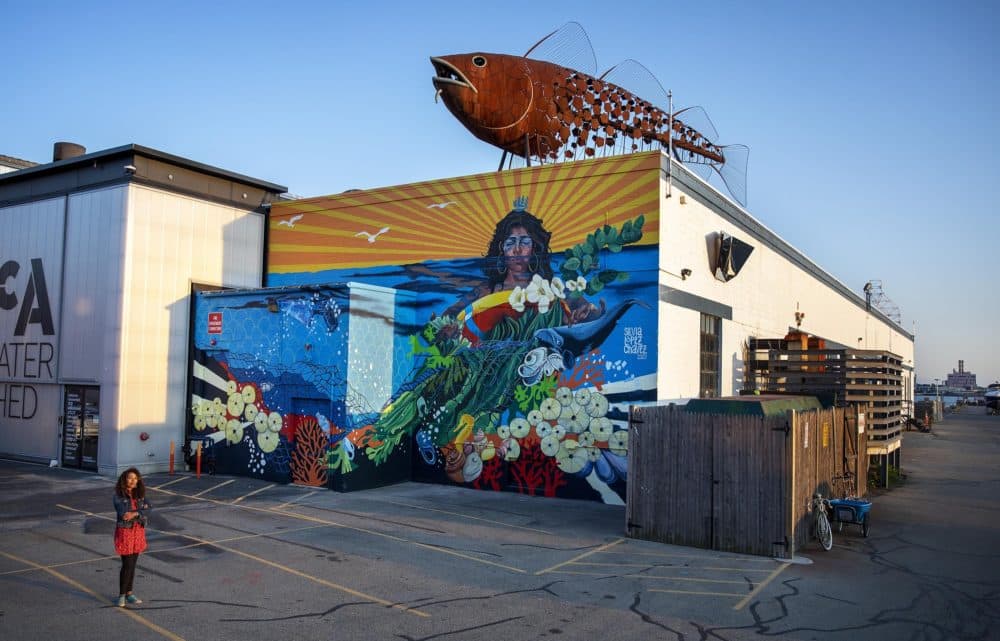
445, 285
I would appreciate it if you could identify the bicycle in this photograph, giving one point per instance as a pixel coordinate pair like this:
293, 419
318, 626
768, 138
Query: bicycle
821, 522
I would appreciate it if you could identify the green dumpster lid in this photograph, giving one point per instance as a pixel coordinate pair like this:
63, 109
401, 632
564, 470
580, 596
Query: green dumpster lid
756, 405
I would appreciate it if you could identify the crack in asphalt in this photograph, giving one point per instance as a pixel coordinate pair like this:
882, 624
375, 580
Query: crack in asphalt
459, 631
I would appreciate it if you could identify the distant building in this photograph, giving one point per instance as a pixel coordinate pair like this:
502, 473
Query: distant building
961, 379
9, 164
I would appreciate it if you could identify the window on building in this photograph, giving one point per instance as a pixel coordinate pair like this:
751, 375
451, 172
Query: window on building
711, 343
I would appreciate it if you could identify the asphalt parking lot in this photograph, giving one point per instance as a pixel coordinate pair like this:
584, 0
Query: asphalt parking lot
232, 558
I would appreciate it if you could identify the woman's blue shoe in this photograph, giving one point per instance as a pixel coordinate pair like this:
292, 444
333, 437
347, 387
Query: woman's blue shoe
133, 599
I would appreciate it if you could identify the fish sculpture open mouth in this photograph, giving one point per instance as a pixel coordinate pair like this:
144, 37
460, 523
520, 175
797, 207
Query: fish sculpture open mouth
448, 74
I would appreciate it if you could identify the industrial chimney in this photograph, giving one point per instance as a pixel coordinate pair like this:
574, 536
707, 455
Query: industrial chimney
64, 150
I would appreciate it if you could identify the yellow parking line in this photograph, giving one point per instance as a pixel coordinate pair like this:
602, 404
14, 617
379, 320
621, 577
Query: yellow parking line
79, 586
690, 556
277, 566
671, 567
299, 498
581, 556
646, 576
427, 546
177, 480
682, 578
467, 516
209, 489
761, 586
152, 551
696, 592
400, 539
266, 487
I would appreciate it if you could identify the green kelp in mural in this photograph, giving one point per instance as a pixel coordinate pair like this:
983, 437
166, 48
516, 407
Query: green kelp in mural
508, 387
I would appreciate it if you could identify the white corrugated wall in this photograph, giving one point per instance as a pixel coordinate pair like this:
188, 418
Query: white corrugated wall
29, 390
170, 242
764, 298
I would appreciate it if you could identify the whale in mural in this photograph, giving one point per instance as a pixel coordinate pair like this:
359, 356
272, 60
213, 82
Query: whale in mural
573, 341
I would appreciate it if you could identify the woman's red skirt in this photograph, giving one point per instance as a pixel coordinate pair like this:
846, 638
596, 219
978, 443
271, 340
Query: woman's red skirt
130, 540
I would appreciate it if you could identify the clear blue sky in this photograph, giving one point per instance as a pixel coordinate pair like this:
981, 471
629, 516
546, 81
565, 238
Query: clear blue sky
872, 126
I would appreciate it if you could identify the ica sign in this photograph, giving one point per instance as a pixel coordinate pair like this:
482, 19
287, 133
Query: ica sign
32, 304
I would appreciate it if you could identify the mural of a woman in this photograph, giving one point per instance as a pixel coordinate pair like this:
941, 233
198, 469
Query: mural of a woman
518, 253
518, 250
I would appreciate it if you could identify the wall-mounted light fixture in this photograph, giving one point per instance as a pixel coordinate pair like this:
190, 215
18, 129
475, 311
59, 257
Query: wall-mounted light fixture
685, 272
130, 169
683, 200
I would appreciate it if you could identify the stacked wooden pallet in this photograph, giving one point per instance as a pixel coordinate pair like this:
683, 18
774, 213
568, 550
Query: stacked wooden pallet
871, 380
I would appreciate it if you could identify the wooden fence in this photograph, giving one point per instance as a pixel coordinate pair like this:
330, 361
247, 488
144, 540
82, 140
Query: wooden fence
736, 483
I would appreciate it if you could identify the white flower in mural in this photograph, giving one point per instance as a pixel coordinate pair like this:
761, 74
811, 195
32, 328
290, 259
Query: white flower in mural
550, 445
274, 422
601, 428
230, 387
564, 395
249, 394
582, 396
558, 288
540, 293
211, 420
267, 440
517, 298
596, 405
512, 450
503, 432
260, 421
234, 431
235, 404
586, 441
618, 443
199, 422
574, 418
519, 428
550, 409
535, 417
571, 458
250, 412
578, 284
543, 429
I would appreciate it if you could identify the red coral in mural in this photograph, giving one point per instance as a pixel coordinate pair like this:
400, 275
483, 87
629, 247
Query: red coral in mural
587, 370
533, 470
307, 459
492, 475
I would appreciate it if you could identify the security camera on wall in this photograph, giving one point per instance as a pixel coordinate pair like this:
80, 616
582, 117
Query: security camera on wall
731, 254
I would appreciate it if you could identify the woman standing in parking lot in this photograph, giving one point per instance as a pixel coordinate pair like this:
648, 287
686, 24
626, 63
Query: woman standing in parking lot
130, 530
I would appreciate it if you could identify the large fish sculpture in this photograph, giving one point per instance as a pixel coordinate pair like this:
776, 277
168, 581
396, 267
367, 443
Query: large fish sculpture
538, 109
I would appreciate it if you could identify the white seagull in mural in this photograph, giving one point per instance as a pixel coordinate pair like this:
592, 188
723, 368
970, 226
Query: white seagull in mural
372, 237
441, 205
291, 221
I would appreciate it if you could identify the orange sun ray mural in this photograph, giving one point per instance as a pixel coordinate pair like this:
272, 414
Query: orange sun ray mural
455, 218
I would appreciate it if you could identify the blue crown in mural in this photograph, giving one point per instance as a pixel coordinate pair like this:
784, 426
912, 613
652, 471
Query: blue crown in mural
520, 203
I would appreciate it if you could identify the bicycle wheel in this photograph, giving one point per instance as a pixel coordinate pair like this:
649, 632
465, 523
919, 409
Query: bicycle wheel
823, 531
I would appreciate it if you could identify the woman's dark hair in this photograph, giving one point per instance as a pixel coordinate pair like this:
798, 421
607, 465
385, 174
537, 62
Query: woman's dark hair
122, 490
495, 267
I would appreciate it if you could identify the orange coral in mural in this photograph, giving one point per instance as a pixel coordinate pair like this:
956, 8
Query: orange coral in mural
307, 460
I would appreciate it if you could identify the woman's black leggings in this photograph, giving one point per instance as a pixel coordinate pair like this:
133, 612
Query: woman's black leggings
127, 573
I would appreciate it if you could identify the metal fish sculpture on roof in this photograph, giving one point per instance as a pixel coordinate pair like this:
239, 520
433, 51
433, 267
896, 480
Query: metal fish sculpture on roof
549, 112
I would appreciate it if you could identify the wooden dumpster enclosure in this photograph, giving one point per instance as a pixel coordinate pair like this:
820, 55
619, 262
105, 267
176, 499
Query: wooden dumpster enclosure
738, 483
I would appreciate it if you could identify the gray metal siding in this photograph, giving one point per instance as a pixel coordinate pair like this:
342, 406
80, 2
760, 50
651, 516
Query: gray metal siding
92, 291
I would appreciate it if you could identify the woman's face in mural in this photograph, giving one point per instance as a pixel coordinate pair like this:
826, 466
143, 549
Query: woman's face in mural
517, 251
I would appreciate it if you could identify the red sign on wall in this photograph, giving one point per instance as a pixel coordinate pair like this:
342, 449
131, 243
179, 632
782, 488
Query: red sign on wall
215, 322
